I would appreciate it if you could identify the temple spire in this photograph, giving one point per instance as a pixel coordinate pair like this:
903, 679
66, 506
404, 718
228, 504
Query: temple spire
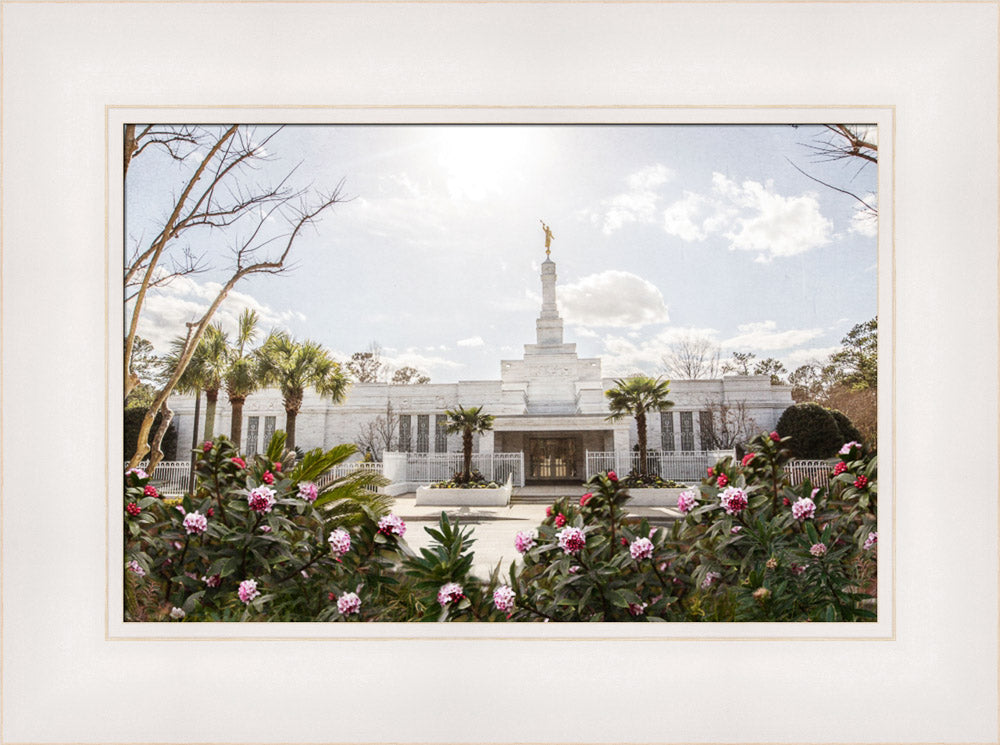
548, 238
549, 326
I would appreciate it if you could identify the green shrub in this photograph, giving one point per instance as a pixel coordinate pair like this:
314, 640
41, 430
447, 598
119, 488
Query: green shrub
848, 432
133, 422
812, 430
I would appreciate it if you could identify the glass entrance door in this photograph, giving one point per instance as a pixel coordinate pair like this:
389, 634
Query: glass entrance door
552, 458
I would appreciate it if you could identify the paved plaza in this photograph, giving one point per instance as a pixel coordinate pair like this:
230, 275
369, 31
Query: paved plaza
495, 527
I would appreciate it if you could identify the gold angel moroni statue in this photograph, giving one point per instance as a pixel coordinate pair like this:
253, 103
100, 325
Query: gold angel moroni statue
548, 237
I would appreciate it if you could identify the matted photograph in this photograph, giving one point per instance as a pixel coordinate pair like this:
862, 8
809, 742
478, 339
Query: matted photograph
505, 373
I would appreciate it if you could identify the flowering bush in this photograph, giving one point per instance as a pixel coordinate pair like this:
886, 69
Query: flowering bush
749, 547
239, 548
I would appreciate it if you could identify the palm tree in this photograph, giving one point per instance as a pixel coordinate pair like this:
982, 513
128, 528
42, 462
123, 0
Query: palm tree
294, 366
468, 421
635, 396
242, 376
214, 351
204, 372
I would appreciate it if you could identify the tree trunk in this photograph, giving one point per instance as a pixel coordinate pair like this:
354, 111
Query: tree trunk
467, 456
640, 423
156, 454
211, 397
290, 415
236, 427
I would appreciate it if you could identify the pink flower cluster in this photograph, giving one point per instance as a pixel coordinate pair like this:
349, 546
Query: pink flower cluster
450, 592
139, 473
195, 523
503, 598
686, 501
308, 491
871, 541
817, 549
641, 548
248, 590
214, 581
133, 509
846, 450
571, 540
261, 499
134, 567
839, 468
612, 476
340, 541
150, 491
560, 520
267, 478
392, 525
206, 446
349, 603
524, 541
722, 480
775, 437
803, 509
733, 500
637, 609
710, 579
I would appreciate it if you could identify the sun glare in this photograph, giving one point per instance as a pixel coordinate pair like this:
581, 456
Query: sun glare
482, 160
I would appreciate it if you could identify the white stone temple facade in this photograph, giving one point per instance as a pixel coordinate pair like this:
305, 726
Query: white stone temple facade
549, 405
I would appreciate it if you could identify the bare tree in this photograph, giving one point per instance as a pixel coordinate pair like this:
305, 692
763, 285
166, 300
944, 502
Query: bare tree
692, 358
732, 424
367, 366
409, 376
378, 435
260, 224
855, 143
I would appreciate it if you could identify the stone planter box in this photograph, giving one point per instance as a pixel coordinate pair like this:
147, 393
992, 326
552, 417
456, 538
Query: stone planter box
654, 497
499, 497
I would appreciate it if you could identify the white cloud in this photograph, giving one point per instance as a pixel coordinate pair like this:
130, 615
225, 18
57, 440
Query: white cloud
472, 341
612, 298
429, 364
622, 356
167, 309
764, 336
800, 357
752, 216
865, 221
638, 204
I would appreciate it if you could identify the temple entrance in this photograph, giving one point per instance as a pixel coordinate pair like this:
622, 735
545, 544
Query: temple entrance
553, 459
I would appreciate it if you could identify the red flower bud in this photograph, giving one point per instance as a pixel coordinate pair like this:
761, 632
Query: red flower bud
612, 476
775, 437
585, 498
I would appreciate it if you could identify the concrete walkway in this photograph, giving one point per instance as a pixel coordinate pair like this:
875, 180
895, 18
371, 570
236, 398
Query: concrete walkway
495, 527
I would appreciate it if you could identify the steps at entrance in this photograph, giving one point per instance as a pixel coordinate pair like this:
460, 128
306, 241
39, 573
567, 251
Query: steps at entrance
546, 494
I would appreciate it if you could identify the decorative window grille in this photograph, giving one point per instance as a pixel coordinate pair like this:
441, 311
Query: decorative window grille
667, 431
707, 427
269, 426
253, 427
687, 430
404, 434
440, 434
423, 432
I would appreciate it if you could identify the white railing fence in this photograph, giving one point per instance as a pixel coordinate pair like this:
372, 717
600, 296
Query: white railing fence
692, 466
679, 466
346, 469
170, 477
817, 471
429, 467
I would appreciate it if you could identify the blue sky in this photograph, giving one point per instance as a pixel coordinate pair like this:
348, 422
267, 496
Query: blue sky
661, 232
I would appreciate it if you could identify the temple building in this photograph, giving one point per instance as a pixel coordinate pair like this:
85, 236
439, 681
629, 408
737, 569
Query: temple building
549, 405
